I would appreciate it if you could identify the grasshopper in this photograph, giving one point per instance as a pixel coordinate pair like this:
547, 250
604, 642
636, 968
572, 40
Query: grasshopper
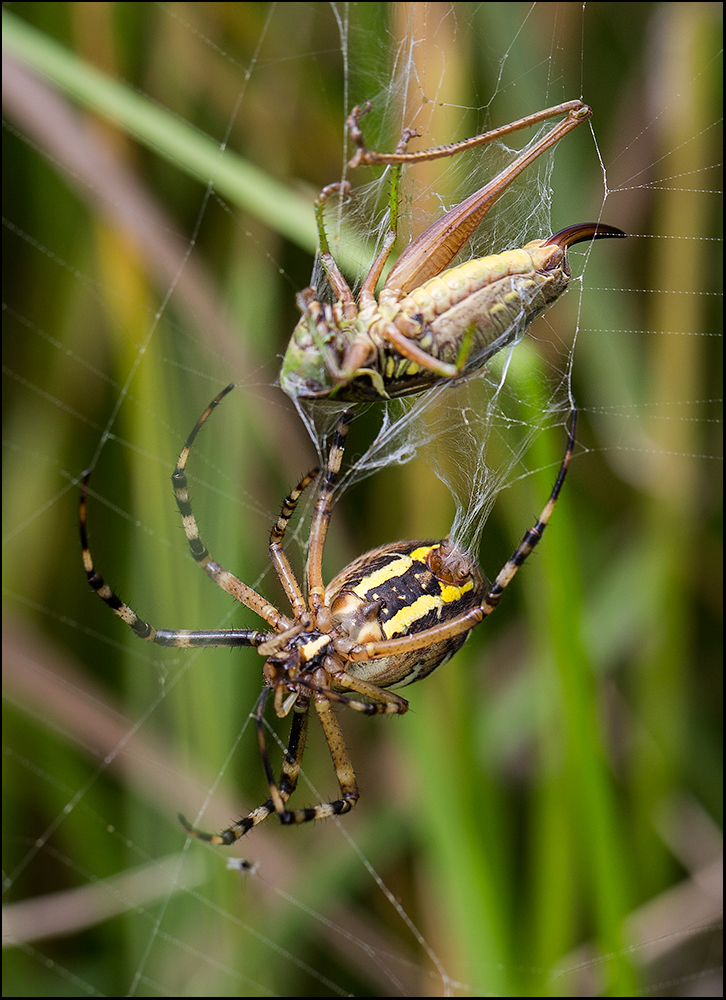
430, 321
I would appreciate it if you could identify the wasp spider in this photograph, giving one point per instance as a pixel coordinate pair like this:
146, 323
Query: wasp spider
390, 618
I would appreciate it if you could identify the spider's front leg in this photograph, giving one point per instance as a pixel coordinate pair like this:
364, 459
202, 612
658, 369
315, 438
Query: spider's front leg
179, 638
215, 571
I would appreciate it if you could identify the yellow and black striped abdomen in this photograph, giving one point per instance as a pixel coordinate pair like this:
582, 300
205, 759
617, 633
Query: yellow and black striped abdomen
401, 589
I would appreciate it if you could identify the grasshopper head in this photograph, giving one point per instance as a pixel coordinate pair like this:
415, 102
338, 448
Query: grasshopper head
311, 359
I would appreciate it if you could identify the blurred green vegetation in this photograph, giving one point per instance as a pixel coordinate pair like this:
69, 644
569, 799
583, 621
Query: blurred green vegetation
548, 812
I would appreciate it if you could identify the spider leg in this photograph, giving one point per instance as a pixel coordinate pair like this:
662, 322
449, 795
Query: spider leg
386, 702
278, 554
279, 794
214, 570
319, 525
343, 772
468, 619
533, 535
290, 772
383, 703
182, 638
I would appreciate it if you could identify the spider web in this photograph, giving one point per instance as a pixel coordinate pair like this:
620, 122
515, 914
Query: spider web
541, 820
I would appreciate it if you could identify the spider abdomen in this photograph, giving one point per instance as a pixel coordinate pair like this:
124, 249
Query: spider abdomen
398, 590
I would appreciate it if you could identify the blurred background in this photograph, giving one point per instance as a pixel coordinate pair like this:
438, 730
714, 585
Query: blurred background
546, 819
